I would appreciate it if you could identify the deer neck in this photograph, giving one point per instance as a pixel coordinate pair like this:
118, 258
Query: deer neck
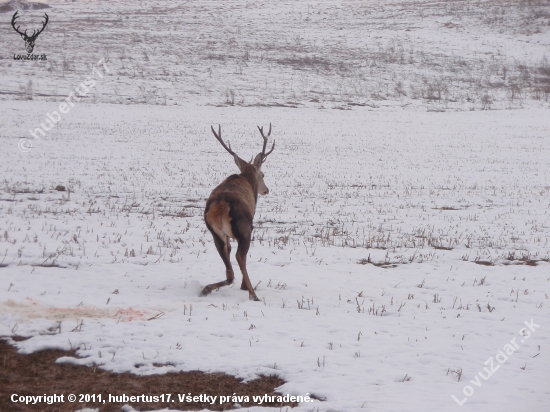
249, 173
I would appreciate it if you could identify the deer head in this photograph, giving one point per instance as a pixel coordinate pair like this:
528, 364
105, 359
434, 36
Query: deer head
256, 163
29, 40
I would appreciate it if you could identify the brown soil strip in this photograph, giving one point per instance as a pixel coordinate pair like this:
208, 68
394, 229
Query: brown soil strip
38, 374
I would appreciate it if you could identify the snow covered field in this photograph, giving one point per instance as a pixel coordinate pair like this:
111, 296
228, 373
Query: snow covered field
127, 242
399, 249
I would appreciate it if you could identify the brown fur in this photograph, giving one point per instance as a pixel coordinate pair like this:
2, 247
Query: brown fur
240, 191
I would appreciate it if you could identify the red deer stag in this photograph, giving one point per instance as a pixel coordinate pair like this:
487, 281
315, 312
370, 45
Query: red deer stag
230, 209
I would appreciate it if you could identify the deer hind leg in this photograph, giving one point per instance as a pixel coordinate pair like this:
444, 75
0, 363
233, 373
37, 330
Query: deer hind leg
224, 248
242, 251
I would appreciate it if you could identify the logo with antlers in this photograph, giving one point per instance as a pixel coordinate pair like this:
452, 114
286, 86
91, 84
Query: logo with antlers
29, 40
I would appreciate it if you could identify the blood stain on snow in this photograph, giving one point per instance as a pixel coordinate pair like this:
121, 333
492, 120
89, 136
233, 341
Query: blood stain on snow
34, 310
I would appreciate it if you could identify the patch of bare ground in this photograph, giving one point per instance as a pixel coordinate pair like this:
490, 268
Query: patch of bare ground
38, 374
484, 262
383, 265
522, 261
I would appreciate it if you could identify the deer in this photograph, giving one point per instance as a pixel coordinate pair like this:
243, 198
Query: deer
29, 40
230, 209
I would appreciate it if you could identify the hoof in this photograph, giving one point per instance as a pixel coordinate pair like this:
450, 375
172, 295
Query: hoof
255, 298
205, 292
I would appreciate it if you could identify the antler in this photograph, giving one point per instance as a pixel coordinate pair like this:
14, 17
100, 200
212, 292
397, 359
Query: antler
219, 137
264, 154
15, 16
35, 33
43, 27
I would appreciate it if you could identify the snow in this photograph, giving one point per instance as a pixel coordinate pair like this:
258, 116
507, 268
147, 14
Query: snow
397, 245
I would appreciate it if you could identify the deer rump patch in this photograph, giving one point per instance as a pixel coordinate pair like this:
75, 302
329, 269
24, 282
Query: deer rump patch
219, 220
234, 193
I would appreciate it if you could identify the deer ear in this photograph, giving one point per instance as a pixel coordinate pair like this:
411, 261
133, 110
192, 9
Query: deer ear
258, 160
239, 162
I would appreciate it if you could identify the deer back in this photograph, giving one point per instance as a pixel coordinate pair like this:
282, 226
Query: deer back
239, 190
